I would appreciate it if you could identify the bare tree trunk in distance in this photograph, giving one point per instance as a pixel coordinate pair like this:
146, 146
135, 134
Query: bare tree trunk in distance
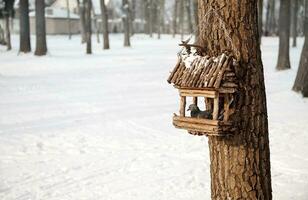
81, 11
150, 8
88, 24
301, 81
182, 18
161, 12
294, 21
105, 25
68, 19
175, 15
40, 28
188, 10
270, 24
260, 18
196, 30
125, 19
284, 36
240, 165
24, 26
7, 32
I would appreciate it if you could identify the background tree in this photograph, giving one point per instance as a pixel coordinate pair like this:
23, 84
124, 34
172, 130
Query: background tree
301, 81
24, 42
260, 18
294, 21
105, 25
270, 21
40, 28
88, 25
240, 165
174, 19
7, 13
189, 19
68, 19
181, 17
196, 29
125, 18
81, 12
284, 35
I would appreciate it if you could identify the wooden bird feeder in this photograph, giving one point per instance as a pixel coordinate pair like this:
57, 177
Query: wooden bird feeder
212, 79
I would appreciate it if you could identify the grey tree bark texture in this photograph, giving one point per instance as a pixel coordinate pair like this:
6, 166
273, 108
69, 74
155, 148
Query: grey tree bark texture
88, 25
24, 24
40, 28
125, 19
301, 81
240, 165
105, 25
283, 62
294, 22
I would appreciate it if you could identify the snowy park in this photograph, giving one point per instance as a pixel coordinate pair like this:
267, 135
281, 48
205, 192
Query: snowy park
76, 126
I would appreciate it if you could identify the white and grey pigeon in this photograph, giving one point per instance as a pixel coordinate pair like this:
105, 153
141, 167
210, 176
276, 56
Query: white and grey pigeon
197, 113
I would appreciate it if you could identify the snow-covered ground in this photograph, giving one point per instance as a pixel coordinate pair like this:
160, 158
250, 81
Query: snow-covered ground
76, 126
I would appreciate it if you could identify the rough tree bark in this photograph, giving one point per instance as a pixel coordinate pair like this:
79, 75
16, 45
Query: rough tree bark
301, 81
88, 25
284, 36
126, 23
294, 22
40, 28
24, 26
105, 25
240, 165
175, 15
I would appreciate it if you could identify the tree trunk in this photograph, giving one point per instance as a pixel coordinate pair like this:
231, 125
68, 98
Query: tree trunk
301, 81
284, 36
161, 11
175, 15
24, 41
270, 22
7, 32
260, 19
2, 38
150, 17
294, 22
68, 19
188, 9
125, 6
81, 11
40, 28
240, 165
88, 25
182, 18
196, 30
105, 25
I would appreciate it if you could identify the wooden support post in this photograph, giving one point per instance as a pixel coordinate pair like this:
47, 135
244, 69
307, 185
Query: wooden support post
226, 107
208, 104
182, 106
216, 107
195, 100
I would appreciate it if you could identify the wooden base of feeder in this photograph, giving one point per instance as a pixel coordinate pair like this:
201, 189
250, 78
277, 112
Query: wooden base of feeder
197, 126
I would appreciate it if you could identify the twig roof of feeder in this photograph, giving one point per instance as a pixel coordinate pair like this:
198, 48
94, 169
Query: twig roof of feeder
203, 72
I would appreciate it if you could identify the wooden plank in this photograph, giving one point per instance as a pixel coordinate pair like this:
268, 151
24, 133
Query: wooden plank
221, 73
226, 107
196, 120
195, 127
216, 107
196, 93
174, 70
222, 62
182, 106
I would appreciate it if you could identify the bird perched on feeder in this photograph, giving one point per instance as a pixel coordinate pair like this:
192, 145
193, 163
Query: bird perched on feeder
197, 113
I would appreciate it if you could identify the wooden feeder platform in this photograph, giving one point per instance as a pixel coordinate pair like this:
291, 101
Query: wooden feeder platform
212, 79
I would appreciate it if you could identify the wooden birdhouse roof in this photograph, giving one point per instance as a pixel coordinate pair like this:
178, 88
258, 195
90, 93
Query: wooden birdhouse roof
204, 72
